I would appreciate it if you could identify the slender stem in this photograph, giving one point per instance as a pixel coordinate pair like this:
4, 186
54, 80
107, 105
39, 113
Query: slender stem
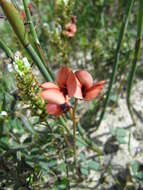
35, 37
136, 57
74, 131
117, 54
29, 19
18, 26
38, 62
90, 143
67, 174
6, 49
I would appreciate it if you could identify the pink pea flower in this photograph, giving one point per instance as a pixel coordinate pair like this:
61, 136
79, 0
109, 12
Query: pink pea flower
79, 85
57, 102
57, 95
83, 87
70, 28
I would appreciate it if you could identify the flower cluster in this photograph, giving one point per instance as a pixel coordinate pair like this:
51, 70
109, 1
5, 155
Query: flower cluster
79, 85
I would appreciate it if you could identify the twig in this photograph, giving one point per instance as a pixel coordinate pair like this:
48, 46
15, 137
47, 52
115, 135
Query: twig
117, 54
136, 57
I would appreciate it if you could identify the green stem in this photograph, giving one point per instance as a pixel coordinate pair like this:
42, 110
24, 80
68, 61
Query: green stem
38, 62
136, 58
74, 131
6, 49
35, 37
117, 54
17, 24
29, 19
91, 144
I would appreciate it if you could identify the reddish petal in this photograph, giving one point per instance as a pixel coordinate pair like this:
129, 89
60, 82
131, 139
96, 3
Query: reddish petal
94, 90
23, 15
53, 96
71, 27
84, 78
53, 109
48, 85
62, 76
30, 8
74, 87
69, 34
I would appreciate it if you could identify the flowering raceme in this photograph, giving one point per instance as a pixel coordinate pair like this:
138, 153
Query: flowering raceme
79, 85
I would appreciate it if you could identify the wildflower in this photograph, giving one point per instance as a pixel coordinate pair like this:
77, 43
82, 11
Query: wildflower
57, 95
57, 103
70, 28
79, 85
22, 13
63, 82
20, 64
83, 87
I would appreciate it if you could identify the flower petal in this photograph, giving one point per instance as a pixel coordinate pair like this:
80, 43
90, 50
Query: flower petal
94, 90
74, 86
53, 96
84, 78
69, 34
23, 15
62, 76
71, 27
53, 109
48, 85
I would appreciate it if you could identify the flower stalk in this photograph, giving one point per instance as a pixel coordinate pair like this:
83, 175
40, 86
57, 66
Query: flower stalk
117, 55
6, 49
74, 120
17, 24
136, 58
15, 20
37, 45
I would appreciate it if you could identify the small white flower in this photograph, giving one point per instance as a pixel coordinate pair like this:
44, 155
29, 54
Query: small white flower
17, 69
66, 1
26, 63
17, 56
10, 67
3, 113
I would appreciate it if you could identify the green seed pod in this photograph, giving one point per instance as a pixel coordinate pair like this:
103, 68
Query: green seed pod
15, 20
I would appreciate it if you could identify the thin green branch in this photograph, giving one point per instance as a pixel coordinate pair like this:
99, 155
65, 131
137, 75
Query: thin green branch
29, 19
74, 131
117, 54
136, 58
6, 49
17, 24
38, 62
89, 142
35, 37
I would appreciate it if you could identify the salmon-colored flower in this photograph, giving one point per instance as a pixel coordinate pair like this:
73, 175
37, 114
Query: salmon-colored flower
70, 28
56, 95
83, 87
57, 102
22, 13
79, 85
